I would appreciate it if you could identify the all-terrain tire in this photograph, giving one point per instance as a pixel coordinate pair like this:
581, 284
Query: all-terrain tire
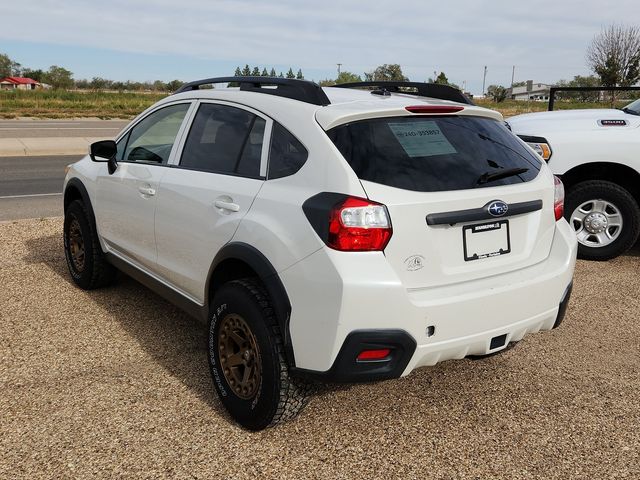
278, 397
629, 210
93, 271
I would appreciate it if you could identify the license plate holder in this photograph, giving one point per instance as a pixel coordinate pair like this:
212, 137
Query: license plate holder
486, 240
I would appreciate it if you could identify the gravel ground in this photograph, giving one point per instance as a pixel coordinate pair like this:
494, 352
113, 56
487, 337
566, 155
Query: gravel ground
114, 383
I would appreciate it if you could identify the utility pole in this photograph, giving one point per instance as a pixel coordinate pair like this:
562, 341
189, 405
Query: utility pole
513, 72
484, 79
339, 65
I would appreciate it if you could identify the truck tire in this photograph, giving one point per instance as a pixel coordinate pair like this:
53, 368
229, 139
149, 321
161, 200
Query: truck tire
605, 217
246, 358
85, 259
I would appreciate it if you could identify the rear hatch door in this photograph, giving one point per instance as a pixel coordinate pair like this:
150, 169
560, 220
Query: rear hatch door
466, 198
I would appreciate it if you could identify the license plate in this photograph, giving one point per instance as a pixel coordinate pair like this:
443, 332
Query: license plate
485, 240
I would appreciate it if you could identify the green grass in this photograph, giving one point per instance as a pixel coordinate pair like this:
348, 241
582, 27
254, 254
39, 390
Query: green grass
70, 104
509, 108
66, 104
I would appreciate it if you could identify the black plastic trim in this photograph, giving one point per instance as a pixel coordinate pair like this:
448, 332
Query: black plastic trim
78, 185
302, 90
564, 303
482, 213
194, 309
346, 369
317, 209
432, 90
270, 279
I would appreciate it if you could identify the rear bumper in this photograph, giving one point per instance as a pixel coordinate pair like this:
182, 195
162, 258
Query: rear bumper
449, 322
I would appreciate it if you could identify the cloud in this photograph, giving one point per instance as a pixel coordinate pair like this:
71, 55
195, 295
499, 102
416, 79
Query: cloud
546, 39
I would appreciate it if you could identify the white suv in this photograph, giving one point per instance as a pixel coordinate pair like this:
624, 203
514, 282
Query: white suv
331, 234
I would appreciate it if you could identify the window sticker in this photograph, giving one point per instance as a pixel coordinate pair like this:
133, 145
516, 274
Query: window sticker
421, 139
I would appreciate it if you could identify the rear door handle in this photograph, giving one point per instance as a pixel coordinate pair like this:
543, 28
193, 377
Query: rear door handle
147, 190
230, 206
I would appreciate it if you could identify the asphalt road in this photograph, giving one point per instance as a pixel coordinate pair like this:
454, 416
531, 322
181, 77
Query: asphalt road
60, 128
31, 187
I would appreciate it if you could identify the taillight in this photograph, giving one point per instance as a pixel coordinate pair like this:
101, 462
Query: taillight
356, 224
558, 198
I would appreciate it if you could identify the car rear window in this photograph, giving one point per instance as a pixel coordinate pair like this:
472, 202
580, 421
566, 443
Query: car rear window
432, 154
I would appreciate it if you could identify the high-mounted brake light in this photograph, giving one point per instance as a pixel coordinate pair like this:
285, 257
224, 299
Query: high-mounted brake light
373, 355
558, 198
356, 224
433, 109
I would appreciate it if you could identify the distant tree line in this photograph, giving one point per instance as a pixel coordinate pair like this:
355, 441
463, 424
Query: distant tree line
247, 71
61, 78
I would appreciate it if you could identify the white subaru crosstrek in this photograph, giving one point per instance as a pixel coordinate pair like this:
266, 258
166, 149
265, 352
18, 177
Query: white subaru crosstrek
331, 234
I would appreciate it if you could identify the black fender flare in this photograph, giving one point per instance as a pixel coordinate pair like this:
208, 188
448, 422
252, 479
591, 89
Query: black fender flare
76, 183
269, 278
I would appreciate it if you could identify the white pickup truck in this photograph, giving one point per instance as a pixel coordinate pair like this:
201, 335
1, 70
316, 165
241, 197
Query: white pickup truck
596, 153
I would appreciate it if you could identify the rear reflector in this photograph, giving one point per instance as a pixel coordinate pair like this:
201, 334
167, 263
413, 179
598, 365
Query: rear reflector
369, 355
558, 198
433, 109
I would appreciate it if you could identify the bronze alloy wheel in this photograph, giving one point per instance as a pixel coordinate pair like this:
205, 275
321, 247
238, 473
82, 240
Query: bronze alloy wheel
239, 356
76, 245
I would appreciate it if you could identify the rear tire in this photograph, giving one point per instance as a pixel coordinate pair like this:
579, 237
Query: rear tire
246, 358
592, 208
85, 259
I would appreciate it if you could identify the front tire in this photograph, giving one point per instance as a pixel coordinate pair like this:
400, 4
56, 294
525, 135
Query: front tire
605, 217
246, 358
85, 259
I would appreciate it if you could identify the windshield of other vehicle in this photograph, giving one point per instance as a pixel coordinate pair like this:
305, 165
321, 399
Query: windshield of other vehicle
431, 154
633, 108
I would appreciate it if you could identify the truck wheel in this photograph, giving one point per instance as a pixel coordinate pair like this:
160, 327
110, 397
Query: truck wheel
605, 217
246, 359
85, 259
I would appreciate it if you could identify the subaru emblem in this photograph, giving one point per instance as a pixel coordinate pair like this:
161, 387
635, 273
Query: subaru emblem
498, 208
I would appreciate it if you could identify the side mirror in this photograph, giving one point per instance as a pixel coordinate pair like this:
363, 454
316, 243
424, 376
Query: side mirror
105, 151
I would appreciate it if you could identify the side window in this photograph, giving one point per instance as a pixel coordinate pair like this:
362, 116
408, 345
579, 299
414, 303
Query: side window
122, 145
151, 140
224, 140
287, 155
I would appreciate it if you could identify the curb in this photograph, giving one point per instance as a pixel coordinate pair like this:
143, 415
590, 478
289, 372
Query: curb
27, 147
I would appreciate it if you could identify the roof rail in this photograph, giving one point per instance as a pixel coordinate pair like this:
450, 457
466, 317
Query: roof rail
432, 90
302, 90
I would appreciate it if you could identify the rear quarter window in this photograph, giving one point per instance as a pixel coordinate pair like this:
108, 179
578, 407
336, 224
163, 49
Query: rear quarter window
431, 154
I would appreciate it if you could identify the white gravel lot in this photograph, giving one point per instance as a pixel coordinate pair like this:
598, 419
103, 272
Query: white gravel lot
114, 383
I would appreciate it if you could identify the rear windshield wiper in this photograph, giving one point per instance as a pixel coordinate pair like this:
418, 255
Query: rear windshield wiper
487, 177
629, 111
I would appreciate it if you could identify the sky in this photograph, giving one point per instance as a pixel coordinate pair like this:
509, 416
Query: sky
190, 39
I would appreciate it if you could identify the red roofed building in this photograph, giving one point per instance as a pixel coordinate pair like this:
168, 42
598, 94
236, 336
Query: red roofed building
21, 83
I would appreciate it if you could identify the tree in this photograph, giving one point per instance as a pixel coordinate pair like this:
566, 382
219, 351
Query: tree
98, 83
614, 55
246, 71
264, 72
272, 73
174, 85
238, 72
441, 79
58, 77
34, 74
290, 73
497, 92
386, 72
343, 77
255, 72
299, 75
580, 81
8, 67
